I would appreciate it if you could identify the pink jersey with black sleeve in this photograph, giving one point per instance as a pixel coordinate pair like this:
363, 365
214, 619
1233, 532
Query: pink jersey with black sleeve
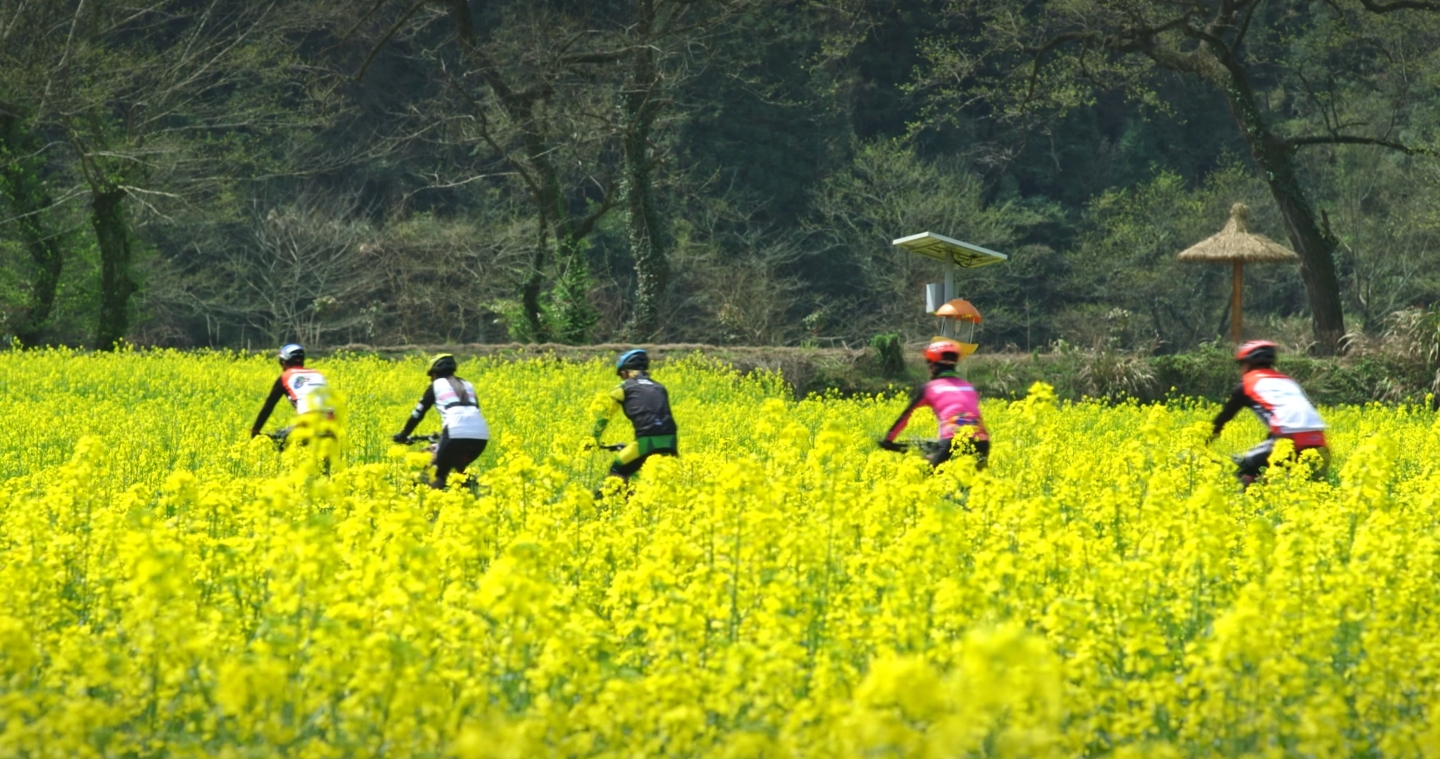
955, 402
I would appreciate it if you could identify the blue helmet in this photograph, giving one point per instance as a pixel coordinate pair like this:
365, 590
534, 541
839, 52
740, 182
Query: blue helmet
636, 360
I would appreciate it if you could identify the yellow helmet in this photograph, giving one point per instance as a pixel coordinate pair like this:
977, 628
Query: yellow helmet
442, 364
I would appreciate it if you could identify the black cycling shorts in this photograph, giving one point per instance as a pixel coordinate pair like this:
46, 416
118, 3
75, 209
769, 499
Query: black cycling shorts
453, 455
1252, 462
634, 456
941, 455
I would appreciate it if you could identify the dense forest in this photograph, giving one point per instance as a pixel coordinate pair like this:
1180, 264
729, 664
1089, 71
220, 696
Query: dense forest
235, 173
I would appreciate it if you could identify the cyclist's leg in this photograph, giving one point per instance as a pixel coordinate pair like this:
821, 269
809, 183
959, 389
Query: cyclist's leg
1251, 463
982, 453
941, 454
633, 456
443, 459
453, 455
466, 451
1318, 473
458, 455
628, 461
660, 445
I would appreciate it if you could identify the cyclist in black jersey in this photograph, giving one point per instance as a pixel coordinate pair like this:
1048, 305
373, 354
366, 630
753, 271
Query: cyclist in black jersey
647, 405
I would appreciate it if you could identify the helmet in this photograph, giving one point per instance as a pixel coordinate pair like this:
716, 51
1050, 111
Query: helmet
942, 352
636, 359
441, 365
291, 353
1256, 352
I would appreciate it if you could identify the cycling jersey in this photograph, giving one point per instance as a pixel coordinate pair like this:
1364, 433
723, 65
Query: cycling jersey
955, 402
306, 389
645, 403
459, 409
1279, 403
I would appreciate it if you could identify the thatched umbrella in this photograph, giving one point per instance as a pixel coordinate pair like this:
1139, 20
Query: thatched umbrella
1238, 245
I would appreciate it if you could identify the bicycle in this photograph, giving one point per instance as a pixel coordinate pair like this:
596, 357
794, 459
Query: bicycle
278, 437
925, 446
593, 446
431, 441
937, 451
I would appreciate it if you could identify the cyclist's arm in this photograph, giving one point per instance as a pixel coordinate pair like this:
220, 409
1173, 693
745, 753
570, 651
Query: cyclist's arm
277, 391
899, 426
615, 404
426, 401
1237, 401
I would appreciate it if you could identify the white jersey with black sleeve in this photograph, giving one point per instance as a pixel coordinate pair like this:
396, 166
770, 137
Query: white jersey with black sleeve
459, 408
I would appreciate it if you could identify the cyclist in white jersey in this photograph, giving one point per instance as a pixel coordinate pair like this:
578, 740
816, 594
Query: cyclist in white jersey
306, 389
1279, 404
464, 434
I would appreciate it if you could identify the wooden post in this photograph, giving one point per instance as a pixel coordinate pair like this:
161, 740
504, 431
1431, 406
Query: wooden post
1236, 287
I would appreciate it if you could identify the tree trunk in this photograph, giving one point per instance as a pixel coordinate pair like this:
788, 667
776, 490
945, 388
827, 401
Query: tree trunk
530, 291
648, 241
1315, 247
571, 317
112, 231
28, 200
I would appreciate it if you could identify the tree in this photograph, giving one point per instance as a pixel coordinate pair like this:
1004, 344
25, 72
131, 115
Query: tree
302, 275
146, 106
888, 192
27, 199
657, 40
516, 89
1282, 66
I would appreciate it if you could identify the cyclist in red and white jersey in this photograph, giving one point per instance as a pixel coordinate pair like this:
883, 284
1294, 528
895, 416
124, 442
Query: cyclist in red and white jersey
306, 389
1280, 405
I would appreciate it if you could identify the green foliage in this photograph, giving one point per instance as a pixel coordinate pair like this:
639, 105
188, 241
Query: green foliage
568, 312
889, 191
889, 354
1125, 258
795, 141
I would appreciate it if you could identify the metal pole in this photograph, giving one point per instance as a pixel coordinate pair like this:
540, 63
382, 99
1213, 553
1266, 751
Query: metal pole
950, 293
1236, 286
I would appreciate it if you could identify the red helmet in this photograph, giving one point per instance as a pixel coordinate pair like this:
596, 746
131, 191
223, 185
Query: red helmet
942, 352
1257, 352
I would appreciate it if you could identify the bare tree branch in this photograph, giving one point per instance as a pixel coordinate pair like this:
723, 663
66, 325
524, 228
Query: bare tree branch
1345, 139
397, 26
1400, 5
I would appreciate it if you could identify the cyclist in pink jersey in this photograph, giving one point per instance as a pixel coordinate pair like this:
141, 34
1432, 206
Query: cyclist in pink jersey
955, 402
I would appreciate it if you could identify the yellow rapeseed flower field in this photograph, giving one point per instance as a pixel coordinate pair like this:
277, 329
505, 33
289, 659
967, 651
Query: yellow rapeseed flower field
169, 587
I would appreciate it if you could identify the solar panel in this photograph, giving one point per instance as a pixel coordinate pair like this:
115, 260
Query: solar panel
942, 248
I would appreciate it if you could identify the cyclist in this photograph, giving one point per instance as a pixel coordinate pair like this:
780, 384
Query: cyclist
306, 388
464, 433
955, 402
647, 405
1279, 403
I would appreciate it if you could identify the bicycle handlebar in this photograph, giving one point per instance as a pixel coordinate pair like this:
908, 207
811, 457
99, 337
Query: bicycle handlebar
923, 444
